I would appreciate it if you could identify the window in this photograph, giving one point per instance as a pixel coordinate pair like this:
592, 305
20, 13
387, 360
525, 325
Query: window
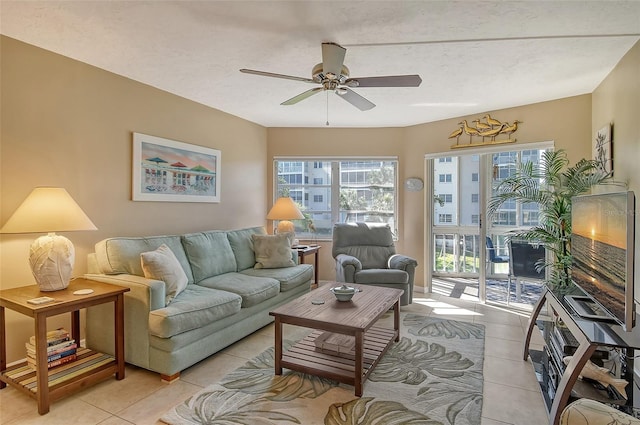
445, 178
512, 213
474, 177
446, 159
296, 195
341, 191
447, 198
474, 197
445, 218
475, 218
292, 178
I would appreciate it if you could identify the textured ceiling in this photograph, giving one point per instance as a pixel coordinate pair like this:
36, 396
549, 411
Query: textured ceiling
473, 56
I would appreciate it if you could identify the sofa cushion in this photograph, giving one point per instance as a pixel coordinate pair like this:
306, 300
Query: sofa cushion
122, 255
163, 265
194, 308
253, 290
273, 251
209, 254
289, 277
242, 246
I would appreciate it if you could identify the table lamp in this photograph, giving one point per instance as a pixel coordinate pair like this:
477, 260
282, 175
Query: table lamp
51, 256
284, 210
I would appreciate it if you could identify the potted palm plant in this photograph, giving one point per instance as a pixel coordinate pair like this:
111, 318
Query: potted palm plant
551, 184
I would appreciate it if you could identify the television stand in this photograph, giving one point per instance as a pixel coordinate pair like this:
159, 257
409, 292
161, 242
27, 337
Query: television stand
559, 383
585, 307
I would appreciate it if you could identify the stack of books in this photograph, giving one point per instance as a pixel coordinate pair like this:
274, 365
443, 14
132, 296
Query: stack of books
336, 344
61, 349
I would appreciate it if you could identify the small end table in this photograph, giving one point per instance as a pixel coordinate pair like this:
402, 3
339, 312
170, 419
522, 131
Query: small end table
308, 250
88, 368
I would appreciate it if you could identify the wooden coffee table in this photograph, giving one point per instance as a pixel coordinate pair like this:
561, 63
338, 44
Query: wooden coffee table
319, 310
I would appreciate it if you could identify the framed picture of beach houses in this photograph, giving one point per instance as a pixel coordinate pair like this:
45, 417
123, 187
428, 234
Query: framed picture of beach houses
170, 171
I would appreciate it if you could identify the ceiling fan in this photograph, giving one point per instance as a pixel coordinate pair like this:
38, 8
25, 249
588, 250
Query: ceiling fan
332, 74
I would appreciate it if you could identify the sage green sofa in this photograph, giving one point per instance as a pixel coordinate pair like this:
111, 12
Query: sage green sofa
225, 299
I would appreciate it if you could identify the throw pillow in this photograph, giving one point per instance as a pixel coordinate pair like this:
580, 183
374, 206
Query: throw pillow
273, 251
163, 265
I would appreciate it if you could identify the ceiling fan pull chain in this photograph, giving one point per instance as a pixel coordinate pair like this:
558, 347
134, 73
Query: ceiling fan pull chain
327, 91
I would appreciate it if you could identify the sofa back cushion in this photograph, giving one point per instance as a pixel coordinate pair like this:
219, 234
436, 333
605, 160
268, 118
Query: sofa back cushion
242, 246
209, 254
122, 254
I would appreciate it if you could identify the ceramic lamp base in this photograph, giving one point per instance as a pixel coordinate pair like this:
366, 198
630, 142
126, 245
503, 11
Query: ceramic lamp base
286, 226
51, 258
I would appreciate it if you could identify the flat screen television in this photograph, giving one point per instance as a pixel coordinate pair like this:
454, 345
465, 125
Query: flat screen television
602, 248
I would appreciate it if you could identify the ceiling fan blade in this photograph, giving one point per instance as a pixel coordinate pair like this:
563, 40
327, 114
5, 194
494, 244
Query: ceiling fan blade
302, 96
332, 60
355, 99
271, 74
387, 81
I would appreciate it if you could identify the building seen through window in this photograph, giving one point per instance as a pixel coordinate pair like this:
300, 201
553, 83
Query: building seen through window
456, 188
333, 191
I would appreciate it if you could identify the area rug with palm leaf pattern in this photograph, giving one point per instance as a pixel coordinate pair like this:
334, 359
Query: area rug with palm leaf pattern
433, 375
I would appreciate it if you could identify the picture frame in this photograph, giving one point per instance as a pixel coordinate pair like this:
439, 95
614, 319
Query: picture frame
166, 170
602, 149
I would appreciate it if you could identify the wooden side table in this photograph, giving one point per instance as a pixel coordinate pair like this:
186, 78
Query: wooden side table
47, 385
303, 252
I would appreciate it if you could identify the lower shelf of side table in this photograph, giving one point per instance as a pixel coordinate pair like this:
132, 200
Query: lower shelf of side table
305, 357
89, 365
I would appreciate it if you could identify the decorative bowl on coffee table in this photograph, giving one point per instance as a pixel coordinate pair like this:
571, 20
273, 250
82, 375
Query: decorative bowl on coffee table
344, 292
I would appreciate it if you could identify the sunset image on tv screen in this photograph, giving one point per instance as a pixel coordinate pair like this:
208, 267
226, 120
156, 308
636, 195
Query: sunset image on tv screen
598, 248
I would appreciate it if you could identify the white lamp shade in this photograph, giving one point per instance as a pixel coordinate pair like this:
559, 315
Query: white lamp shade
48, 209
284, 210
51, 257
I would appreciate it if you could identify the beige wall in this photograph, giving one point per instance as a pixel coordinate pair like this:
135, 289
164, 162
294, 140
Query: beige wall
616, 101
566, 121
68, 124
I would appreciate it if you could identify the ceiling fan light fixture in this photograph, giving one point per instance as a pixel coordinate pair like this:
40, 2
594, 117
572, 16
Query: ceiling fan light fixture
332, 74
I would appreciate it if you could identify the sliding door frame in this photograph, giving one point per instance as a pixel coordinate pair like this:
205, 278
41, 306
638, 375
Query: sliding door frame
484, 192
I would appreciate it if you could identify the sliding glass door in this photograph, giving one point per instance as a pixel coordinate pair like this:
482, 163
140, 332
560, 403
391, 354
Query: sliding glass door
468, 253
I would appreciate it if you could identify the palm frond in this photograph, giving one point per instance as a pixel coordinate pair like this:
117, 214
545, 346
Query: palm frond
551, 166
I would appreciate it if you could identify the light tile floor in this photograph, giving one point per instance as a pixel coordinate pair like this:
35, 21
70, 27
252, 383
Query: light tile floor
511, 392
